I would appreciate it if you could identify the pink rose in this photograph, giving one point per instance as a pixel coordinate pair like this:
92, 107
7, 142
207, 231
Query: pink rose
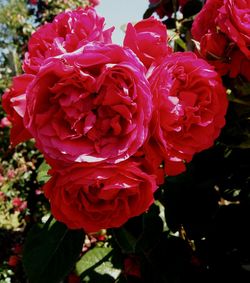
92, 105
234, 20
148, 39
100, 196
14, 103
19, 204
11, 174
2, 194
69, 31
189, 107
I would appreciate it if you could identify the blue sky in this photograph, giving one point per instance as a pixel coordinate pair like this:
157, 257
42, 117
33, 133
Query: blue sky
120, 12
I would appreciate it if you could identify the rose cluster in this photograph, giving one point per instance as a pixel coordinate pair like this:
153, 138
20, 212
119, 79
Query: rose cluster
112, 121
223, 33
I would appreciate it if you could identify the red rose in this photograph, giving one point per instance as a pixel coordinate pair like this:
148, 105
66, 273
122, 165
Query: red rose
73, 278
14, 104
214, 45
33, 2
132, 266
94, 2
151, 161
69, 31
101, 196
222, 27
13, 260
239, 65
182, 3
91, 105
148, 40
234, 20
189, 108
216, 49
205, 21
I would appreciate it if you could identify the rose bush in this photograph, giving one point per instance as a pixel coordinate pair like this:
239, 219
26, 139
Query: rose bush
189, 108
102, 196
92, 105
114, 124
69, 31
222, 28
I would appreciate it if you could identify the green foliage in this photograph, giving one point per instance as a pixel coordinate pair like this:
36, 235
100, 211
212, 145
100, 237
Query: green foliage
14, 14
51, 251
42, 173
98, 261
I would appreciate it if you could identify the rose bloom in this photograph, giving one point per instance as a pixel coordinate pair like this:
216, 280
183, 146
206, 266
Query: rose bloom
13, 260
69, 31
216, 49
91, 105
132, 266
148, 40
99, 197
234, 20
224, 55
11, 174
19, 204
222, 28
204, 22
14, 104
240, 65
5, 122
189, 107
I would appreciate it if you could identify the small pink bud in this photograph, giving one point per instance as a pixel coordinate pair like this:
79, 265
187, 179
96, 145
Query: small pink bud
5, 122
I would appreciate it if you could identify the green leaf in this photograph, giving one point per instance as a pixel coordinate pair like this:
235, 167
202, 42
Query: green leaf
152, 230
181, 43
98, 260
42, 173
51, 251
125, 240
